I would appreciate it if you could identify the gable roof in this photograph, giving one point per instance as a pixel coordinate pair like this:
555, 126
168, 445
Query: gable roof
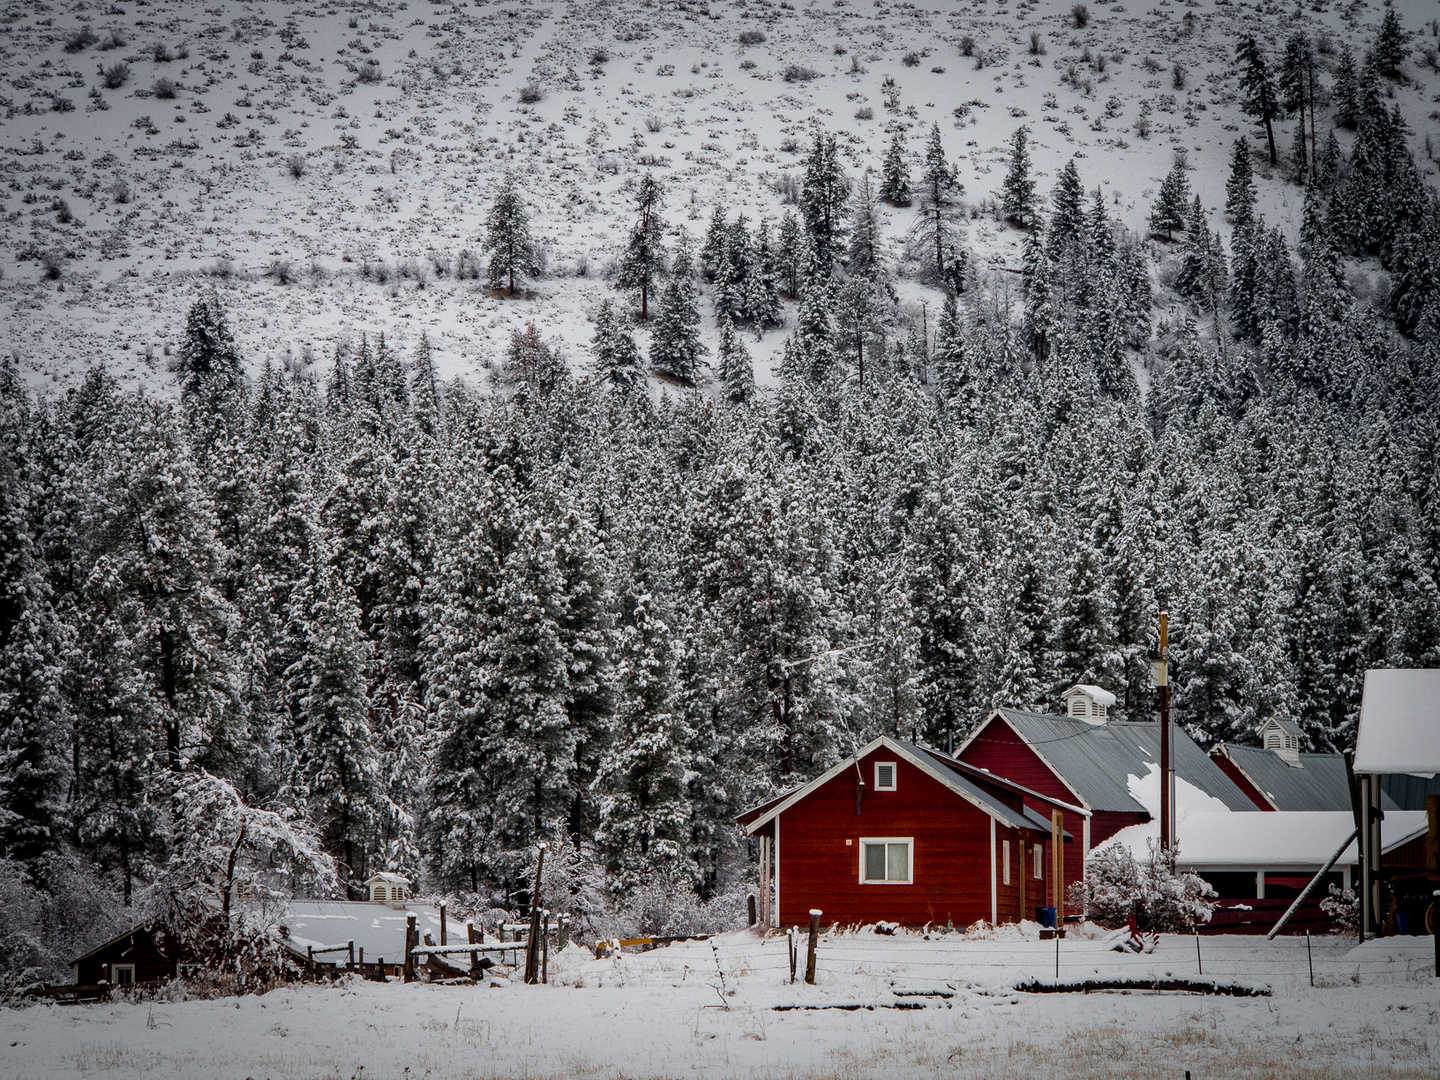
934, 765
1318, 783
1096, 761
1289, 727
1399, 722
1098, 693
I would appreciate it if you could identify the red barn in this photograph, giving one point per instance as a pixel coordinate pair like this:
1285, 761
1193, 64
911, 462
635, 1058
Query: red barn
1085, 760
900, 833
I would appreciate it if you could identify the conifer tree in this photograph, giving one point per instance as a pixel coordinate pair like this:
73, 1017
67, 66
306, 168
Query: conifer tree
939, 192
1297, 87
950, 360
790, 243
338, 769
616, 358
533, 363
895, 174
737, 373
675, 347
822, 205
717, 236
1017, 197
507, 238
865, 236
1240, 187
1346, 94
1389, 49
1172, 204
1257, 85
761, 299
644, 257
1066, 229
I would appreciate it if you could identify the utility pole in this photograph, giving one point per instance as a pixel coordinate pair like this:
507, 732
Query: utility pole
1159, 667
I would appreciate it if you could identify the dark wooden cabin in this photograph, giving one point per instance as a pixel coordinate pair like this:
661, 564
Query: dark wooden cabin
142, 956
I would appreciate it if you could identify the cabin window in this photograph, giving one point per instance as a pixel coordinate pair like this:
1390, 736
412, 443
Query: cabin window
1039, 860
885, 776
1007, 861
122, 974
886, 860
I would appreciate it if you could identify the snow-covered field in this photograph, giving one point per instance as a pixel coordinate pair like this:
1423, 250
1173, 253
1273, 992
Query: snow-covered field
325, 166
710, 1010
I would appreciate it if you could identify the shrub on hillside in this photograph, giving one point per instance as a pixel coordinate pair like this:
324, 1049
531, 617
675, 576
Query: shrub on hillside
114, 76
164, 88
799, 73
80, 40
752, 37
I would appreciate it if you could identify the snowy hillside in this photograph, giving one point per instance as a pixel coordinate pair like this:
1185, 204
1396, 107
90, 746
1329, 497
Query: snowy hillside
329, 169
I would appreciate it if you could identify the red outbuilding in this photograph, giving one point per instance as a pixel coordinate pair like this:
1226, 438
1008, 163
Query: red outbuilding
900, 833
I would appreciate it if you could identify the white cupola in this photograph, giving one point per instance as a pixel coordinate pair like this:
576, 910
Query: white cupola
385, 888
1282, 737
1088, 703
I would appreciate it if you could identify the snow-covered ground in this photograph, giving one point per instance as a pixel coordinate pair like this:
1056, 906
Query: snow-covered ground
710, 1010
165, 196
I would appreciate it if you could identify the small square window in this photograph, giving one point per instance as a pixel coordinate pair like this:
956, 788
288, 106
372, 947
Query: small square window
123, 974
885, 776
886, 861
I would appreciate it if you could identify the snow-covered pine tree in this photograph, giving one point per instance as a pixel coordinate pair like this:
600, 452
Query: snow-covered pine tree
644, 257
950, 362
641, 784
737, 372
615, 356
1346, 91
1257, 87
823, 204
865, 233
1389, 49
209, 366
337, 770
895, 173
675, 347
790, 254
1066, 230
1172, 203
940, 189
507, 238
1240, 187
717, 235
533, 363
762, 299
1017, 197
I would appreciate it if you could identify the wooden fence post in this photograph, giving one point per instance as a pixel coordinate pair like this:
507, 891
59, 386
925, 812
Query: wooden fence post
545, 950
362, 961
443, 939
815, 914
562, 933
412, 939
310, 959
794, 951
350, 956
474, 956
750, 905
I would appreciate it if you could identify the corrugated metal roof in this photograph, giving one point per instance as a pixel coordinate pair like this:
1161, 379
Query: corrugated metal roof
1097, 760
1404, 791
1318, 783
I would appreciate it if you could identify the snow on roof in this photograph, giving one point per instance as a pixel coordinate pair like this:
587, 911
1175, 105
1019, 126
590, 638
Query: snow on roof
1097, 761
387, 878
1399, 722
1104, 697
1223, 840
377, 928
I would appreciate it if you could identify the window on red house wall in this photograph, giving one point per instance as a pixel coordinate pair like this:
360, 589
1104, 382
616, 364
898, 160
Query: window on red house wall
1039, 860
885, 776
1006, 850
887, 860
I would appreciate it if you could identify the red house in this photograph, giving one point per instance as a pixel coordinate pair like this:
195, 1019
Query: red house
900, 833
1085, 760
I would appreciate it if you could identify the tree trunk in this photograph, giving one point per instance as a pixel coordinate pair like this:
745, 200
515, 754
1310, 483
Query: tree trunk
1270, 137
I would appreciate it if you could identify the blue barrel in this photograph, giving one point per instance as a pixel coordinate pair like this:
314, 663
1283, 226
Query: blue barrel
1045, 916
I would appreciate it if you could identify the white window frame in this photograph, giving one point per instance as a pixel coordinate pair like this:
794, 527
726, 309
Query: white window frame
1039, 860
908, 841
115, 970
894, 776
1005, 853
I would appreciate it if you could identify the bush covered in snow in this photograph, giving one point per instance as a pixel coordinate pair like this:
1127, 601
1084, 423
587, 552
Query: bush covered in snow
1118, 886
1343, 907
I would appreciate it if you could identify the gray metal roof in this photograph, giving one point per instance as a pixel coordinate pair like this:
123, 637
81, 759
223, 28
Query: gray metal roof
1318, 783
1097, 760
1406, 791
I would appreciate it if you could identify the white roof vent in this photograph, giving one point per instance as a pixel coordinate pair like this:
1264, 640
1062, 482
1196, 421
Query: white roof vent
1283, 738
386, 888
1088, 703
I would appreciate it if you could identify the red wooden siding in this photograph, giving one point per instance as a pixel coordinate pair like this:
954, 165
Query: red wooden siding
1230, 769
154, 960
998, 748
950, 854
1408, 856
